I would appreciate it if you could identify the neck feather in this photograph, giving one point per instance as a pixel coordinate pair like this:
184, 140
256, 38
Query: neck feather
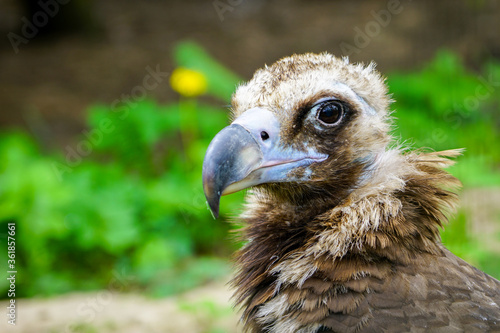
394, 213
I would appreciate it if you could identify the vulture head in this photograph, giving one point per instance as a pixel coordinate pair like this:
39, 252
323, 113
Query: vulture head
307, 128
342, 225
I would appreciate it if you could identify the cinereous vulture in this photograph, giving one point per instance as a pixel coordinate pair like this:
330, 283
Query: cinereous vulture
342, 224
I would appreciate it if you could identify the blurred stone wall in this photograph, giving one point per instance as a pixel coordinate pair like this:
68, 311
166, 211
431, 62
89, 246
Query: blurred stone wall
47, 81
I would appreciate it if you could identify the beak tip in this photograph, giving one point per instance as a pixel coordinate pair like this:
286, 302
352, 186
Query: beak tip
211, 194
213, 207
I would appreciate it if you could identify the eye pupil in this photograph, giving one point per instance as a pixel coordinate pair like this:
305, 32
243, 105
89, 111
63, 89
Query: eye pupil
264, 136
330, 112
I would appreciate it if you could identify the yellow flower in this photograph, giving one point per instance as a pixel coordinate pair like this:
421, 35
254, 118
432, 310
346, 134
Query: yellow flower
188, 82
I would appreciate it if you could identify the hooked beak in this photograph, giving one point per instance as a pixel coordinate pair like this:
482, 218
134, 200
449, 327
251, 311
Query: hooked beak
247, 153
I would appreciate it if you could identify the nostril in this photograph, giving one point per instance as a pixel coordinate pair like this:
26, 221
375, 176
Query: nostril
264, 136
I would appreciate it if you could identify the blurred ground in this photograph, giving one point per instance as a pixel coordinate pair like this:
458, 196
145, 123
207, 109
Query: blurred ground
482, 207
203, 310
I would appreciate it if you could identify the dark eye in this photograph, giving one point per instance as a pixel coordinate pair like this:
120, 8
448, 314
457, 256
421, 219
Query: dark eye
329, 112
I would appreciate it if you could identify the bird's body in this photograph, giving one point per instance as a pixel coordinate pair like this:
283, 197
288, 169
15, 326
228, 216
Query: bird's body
372, 263
342, 230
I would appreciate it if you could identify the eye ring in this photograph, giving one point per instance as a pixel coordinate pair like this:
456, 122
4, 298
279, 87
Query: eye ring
329, 112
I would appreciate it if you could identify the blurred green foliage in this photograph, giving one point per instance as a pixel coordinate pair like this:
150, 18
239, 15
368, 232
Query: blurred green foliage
444, 106
131, 207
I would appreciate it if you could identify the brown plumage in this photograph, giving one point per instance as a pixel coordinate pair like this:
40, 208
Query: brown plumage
347, 240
